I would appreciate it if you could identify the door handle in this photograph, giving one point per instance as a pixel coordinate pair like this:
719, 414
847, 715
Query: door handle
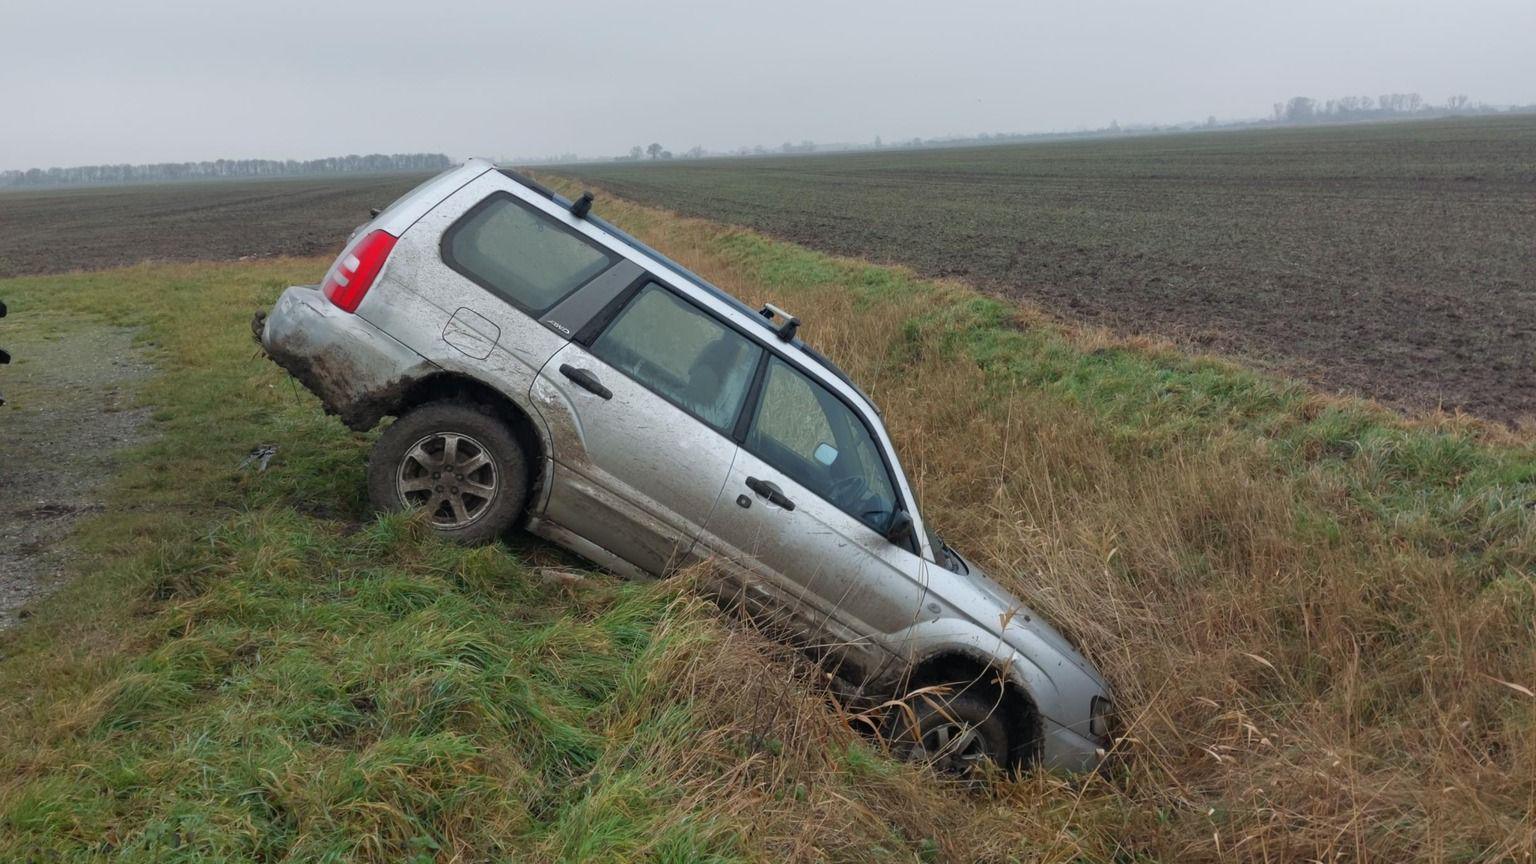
771, 491
585, 380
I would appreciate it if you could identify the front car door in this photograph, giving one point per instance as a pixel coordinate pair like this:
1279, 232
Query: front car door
803, 519
641, 407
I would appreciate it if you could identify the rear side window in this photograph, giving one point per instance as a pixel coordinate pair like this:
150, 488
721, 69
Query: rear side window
682, 353
812, 436
520, 254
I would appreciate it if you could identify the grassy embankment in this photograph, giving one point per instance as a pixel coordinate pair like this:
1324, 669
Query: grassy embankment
1319, 618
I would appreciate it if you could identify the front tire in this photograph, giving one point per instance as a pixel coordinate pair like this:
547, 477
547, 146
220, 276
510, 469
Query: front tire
458, 463
962, 735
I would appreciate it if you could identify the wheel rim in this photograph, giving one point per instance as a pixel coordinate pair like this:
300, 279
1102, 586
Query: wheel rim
451, 476
953, 747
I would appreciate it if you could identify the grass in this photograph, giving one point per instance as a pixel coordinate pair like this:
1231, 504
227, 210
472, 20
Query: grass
1318, 617
1314, 608
248, 667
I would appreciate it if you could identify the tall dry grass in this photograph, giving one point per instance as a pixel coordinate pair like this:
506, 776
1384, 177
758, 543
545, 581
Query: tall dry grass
1303, 675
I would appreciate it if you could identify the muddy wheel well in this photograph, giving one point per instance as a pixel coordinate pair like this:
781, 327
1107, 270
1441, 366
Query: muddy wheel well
964, 672
459, 388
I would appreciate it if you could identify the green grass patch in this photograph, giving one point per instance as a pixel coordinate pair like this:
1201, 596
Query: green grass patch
249, 667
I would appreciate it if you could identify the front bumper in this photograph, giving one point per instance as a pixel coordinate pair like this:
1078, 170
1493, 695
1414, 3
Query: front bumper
359, 372
1065, 749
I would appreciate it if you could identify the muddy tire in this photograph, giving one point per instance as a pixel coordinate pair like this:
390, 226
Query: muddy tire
455, 461
963, 735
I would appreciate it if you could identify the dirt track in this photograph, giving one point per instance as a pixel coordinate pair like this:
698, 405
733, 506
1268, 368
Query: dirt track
67, 416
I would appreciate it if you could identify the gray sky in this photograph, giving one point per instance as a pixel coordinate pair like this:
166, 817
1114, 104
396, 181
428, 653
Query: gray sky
149, 81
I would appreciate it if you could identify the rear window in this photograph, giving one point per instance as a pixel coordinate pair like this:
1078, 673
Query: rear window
522, 255
683, 354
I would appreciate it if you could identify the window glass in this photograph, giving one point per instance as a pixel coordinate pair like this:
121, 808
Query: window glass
682, 353
805, 431
521, 254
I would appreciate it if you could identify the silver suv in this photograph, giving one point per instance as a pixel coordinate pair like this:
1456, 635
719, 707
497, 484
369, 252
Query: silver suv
547, 369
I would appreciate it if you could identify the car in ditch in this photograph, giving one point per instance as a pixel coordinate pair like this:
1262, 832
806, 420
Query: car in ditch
546, 370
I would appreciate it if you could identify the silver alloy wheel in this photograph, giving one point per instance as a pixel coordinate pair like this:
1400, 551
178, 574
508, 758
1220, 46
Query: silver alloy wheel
451, 476
952, 747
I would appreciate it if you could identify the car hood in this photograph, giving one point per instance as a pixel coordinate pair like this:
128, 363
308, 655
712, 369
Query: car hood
1026, 619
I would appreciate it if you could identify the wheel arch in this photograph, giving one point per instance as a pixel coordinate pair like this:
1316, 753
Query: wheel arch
526, 428
966, 670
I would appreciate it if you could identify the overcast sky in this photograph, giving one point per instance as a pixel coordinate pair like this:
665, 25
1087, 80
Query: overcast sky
149, 81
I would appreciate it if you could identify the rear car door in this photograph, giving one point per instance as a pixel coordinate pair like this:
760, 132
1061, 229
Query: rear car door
641, 407
803, 518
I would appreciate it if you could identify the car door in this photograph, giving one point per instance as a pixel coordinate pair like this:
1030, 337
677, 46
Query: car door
803, 517
641, 406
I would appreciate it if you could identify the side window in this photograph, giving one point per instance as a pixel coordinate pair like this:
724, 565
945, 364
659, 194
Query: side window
520, 254
682, 353
804, 430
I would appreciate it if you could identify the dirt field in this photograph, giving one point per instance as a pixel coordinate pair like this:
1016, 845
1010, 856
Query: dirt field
1395, 261
59, 230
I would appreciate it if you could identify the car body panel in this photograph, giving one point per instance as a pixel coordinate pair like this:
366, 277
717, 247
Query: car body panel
844, 589
633, 473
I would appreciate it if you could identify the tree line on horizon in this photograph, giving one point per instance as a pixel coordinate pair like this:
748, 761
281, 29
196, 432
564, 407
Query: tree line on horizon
220, 169
1298, 110
1305, 109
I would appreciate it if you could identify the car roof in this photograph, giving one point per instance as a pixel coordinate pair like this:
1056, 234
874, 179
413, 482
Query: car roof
695, 279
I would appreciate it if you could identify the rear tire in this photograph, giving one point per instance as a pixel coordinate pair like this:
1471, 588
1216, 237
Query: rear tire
458, 462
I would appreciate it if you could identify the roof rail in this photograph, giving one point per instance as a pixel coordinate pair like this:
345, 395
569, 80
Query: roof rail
689, 275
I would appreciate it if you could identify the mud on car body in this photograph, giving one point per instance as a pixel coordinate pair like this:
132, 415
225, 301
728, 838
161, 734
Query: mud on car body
547, 370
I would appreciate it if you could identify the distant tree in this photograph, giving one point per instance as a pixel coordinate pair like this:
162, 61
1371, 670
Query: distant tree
635, 153
695, 152
666, 154
1300, 109
878, 143
654, 150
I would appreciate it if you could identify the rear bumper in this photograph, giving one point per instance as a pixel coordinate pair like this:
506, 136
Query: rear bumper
359, 372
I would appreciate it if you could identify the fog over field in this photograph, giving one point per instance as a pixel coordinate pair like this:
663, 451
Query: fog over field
89, 83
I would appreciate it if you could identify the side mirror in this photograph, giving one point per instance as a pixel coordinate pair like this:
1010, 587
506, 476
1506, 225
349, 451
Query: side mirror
900, 530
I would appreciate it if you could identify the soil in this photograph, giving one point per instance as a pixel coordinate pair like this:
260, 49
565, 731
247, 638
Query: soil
68, 414
1393, 261
59, 230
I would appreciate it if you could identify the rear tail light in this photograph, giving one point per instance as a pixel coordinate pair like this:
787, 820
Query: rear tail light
353, 273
